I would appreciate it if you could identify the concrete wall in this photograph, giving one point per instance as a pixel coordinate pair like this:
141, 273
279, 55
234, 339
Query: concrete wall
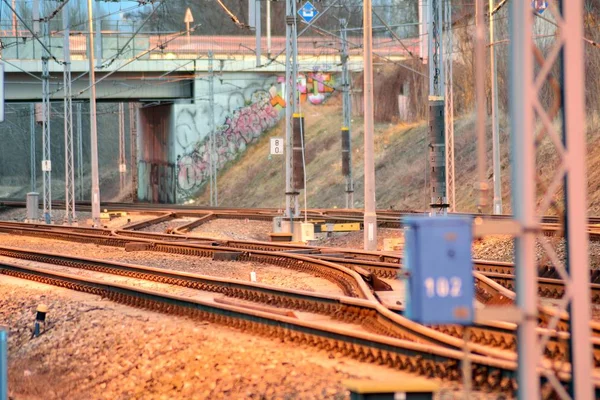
246, 105
173, 139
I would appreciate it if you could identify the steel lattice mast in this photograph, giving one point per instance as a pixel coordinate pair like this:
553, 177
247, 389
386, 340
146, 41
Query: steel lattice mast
564, 127
46, 148
212, 153
70, 215
79, 150
347, 110
133, 148
292, 201
497, 173
449, 108
32, 158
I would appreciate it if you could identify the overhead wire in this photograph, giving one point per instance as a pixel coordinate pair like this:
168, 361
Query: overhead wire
122, 49
34, 35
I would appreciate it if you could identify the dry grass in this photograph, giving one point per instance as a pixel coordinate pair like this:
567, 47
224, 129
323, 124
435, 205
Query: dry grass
257, 180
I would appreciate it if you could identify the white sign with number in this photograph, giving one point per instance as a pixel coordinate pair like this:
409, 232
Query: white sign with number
276, 146
46, 165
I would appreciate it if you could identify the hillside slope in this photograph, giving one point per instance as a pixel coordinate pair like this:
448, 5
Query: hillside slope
257, 179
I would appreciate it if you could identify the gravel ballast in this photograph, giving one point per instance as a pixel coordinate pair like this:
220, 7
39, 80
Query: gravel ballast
95, 349
267, 274
234, 229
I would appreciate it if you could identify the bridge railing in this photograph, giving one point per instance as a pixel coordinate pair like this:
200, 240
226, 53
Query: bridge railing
120, 45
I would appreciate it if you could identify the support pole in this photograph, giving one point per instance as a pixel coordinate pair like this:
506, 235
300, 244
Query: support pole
347, 110
437, 134
133, 150
524, 201
70, 215
292, 201
481, 106
47, 156
14, 19
98, 39
269, 28
576, 229
35, 16
370, 217
258, 33
497, 177
212, 154
32, 157
79, 149
122, 158
449, 109
93, 131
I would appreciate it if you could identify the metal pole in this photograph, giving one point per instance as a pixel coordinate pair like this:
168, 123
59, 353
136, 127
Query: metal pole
258, 33
98, 40
47, 154
70, 215
32, 157
370, 217
93, 132
122, 159
212, 148
524, 197
79, 150
3, 363
291, 74
295, 101
35, 15
14, 19
133, 149
449, 110
480, 103
576, 187
347, 110
467, 366
497, 177
269, 28
437, 134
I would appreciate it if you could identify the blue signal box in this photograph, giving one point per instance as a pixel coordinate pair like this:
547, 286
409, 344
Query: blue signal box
437, 256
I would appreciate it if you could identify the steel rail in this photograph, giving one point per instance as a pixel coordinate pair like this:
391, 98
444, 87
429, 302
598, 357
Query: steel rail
489, 373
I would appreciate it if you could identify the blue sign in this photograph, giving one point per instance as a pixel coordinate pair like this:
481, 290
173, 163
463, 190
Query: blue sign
308, 12
539, 6
437, 256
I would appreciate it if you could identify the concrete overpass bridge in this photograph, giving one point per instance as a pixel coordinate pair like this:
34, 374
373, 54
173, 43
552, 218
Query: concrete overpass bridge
168, 67
169, 74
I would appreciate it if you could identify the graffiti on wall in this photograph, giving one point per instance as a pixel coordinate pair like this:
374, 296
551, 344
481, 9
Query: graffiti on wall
156, 182
315, 86
240, 119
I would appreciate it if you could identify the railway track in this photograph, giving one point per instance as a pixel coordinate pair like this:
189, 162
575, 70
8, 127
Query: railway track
379, 265
551, 225
494, 335
420, 356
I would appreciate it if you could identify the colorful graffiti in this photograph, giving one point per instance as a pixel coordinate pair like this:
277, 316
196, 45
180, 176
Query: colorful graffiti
241, 118
315, 86
248, 114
